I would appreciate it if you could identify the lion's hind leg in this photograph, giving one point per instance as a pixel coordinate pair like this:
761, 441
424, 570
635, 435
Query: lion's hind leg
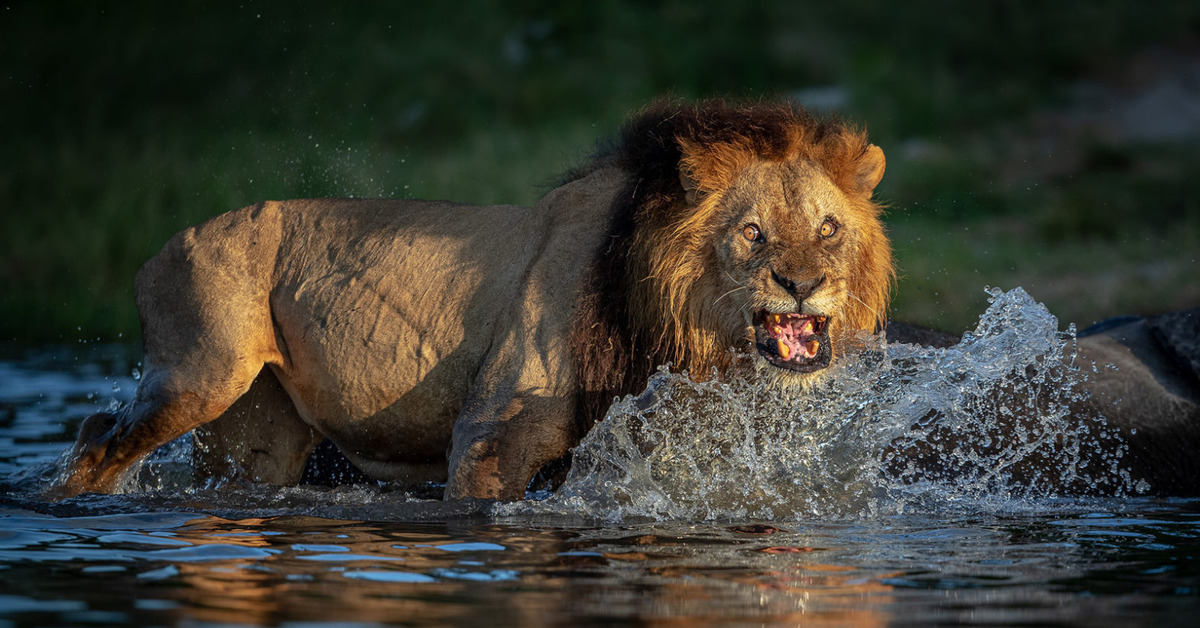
207, 332
197, 386
110, 443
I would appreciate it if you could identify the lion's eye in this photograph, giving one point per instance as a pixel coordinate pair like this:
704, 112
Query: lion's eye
752, 233
828, 228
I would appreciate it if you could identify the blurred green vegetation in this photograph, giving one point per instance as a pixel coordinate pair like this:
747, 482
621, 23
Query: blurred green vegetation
123, 123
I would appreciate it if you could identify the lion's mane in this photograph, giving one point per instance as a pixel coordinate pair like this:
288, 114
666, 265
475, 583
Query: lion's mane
646, 303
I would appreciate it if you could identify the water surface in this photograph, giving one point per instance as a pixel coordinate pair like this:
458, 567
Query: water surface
705, 503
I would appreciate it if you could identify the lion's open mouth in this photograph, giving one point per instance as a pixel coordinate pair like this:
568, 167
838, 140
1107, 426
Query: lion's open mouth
799, 342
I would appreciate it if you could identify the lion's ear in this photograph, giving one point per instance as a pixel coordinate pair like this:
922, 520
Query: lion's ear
691, 186
870, 169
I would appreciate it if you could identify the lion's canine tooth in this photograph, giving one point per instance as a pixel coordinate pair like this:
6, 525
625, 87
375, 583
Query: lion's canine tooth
784, 351
811, 347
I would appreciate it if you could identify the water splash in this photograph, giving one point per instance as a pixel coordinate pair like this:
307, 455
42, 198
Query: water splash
1001, 416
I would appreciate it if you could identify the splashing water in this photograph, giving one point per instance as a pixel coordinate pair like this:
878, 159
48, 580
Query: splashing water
1001, 416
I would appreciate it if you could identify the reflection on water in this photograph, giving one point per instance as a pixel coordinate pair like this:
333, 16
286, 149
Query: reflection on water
1089, 567
644, 532
45, 394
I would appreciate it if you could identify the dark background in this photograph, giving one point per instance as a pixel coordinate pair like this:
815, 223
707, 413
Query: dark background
1050, 145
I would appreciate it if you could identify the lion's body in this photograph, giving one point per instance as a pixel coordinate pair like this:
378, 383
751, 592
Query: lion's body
381, 319
436, 341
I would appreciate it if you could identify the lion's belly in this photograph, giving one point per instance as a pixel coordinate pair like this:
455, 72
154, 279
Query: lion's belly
387, 395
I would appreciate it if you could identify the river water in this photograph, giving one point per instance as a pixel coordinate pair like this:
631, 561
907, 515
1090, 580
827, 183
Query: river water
722, 503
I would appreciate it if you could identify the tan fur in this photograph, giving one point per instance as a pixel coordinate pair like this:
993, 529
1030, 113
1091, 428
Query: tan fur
683, 282
434, 341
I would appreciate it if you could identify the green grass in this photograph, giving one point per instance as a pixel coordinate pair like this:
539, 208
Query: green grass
944, 269
122, 124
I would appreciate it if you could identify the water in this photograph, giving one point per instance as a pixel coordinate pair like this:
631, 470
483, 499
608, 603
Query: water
709, 502
851, 448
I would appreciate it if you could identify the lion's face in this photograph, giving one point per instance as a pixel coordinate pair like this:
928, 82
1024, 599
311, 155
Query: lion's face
766, 242
799, 267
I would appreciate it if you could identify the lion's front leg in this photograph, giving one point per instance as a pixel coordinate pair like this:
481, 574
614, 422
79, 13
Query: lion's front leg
499, 444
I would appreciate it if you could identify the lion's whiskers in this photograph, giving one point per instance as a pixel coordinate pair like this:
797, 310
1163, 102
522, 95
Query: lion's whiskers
718, 300
732, 279
740, 286
864, 304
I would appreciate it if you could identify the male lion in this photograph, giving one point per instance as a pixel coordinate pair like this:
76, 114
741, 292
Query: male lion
436, 341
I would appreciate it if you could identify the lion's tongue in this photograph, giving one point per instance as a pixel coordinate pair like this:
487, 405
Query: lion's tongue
793, 333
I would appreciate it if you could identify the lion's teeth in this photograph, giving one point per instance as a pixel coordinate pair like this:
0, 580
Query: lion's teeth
811, 347
784, 350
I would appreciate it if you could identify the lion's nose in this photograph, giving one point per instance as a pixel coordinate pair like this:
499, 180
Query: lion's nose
801, 290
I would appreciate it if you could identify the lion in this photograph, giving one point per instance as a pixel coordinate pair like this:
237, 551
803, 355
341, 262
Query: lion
437, 342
